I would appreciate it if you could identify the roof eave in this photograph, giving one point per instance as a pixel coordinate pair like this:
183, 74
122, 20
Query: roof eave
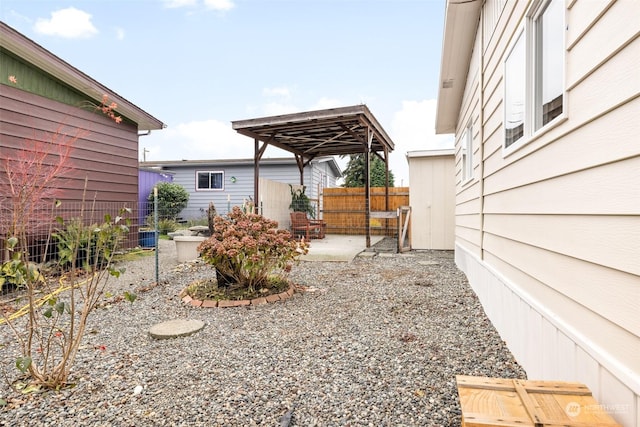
40, 57
461, 23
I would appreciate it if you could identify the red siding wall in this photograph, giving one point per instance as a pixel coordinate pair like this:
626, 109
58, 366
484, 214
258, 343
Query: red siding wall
107, 153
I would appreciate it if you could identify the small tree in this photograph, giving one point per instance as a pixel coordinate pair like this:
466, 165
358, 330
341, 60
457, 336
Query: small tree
51, 335
172, 198
354, 174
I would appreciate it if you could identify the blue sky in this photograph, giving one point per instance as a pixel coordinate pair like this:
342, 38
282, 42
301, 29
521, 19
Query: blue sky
199, 64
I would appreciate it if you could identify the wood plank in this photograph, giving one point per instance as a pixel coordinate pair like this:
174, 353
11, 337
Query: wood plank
506, 402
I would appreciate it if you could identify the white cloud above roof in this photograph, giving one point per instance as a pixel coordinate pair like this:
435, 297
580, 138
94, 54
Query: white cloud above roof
70, 23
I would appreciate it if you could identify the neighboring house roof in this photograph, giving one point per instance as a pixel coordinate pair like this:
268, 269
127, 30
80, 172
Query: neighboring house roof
461, 23
31, 52
237, 162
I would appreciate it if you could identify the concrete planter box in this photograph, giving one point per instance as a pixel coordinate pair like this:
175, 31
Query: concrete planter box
187, 247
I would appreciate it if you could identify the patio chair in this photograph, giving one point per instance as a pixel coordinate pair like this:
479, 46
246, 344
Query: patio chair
310, 228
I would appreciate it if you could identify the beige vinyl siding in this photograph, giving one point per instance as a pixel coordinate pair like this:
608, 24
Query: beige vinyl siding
550, 237
562, 178
467, 224
562, 273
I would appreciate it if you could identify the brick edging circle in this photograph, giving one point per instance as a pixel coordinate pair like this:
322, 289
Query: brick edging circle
235, 303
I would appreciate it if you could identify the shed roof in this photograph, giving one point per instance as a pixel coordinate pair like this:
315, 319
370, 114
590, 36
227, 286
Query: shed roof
329, 132
32, 53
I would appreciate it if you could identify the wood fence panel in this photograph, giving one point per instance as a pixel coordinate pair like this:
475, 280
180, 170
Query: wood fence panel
343, 209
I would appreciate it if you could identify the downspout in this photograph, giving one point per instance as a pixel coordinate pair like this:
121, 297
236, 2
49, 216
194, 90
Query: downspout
481, 131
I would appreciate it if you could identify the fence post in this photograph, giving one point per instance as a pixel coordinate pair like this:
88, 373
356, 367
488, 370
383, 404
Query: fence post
155, 229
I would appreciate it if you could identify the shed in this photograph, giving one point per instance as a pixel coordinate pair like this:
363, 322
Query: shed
432, 198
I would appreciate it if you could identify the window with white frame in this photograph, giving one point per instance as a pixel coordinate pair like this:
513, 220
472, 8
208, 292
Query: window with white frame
534, 73
467, 153
549, 55
209, 180
514, 93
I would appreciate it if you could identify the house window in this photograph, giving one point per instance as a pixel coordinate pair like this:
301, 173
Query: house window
515, 93
467, 153
534, 73
549, 36
209, 180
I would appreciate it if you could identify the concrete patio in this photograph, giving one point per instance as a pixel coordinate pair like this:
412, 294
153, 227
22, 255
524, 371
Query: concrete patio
337, 247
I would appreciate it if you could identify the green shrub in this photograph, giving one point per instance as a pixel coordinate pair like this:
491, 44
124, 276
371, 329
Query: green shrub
16, 273
172, 198
85, 246
166, 226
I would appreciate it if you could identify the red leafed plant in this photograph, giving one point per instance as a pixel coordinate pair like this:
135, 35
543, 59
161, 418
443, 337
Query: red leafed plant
50, 327
32, 178
248, 250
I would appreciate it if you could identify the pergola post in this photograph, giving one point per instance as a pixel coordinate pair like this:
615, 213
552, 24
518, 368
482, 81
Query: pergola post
256, 169
367, 186
258, 152
386, 187
300, 162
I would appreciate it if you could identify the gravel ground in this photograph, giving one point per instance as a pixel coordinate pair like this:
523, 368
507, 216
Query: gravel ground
374, 342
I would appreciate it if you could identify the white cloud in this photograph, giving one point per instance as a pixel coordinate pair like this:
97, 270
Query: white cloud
223, 5
172, 4
120, 33
277, 91
201, 140
219, 4
413, 129
324, 103
277, 108
68, 23
207, 139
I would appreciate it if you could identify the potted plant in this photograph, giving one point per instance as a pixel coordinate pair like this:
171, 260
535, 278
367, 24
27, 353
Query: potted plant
300, 202
148, 235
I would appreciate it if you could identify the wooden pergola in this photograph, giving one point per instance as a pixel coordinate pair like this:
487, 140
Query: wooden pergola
329, 132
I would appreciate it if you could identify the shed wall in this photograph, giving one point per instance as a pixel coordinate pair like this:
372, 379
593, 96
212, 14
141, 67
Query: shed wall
432, 202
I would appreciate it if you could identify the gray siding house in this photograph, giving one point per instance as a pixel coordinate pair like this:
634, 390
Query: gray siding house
230, 182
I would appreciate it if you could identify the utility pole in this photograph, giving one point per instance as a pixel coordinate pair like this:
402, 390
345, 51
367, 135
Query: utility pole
144, 154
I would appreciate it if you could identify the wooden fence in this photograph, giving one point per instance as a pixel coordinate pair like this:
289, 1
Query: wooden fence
343, 210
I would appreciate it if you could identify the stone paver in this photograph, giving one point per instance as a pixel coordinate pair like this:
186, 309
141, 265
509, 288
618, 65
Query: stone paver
175, 328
